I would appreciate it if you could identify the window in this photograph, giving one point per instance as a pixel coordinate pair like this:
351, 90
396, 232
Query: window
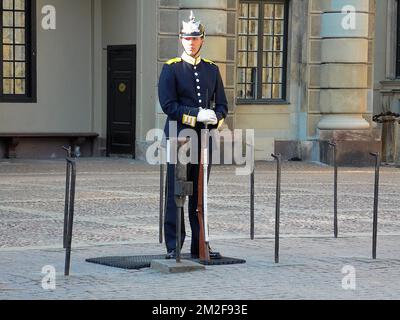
17, 52
262, 51
398, 42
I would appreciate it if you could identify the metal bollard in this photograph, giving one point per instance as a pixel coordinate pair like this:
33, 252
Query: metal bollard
161, 217
335, 214
377, 157
67, 187
252, 195
72, 164
278, 158
252, 228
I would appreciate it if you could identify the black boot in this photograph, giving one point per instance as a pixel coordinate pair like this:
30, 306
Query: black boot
214, 255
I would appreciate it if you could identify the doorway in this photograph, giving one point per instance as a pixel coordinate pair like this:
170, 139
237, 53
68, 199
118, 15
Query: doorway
121, 100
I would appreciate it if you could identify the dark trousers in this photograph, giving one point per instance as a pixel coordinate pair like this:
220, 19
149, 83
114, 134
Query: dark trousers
171, 211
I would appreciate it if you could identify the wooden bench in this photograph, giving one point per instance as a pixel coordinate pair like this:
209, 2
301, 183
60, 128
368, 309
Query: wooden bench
12, 140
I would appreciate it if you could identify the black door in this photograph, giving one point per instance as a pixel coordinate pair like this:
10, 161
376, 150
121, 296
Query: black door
121, 93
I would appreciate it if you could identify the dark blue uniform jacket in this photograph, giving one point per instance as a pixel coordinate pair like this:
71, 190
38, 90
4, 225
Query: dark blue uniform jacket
184, 88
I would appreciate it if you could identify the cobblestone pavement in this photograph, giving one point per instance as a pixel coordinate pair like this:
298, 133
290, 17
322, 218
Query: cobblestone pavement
116, 213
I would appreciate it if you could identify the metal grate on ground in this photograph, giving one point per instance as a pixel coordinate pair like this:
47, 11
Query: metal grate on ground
144, 261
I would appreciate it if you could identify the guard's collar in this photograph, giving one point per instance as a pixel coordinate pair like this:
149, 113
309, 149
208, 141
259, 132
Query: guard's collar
193, 61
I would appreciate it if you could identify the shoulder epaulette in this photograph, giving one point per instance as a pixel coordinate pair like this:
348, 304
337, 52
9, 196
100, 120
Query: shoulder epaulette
208, 61
174, 60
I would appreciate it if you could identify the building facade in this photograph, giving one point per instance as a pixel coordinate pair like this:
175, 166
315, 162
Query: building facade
299, 72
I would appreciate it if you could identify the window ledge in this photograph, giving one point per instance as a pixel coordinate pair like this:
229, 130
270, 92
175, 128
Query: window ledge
17, 100
390, 86
262, 102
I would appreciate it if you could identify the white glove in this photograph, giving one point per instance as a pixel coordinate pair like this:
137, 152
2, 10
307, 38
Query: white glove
207, 117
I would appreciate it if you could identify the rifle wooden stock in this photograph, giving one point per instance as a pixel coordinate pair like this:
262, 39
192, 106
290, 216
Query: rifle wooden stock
204, 253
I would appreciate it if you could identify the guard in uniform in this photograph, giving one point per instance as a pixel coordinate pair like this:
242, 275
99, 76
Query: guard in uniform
188, 86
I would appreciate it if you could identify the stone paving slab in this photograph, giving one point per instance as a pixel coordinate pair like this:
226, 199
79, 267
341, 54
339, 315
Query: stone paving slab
310, 268
169, 266
117, 214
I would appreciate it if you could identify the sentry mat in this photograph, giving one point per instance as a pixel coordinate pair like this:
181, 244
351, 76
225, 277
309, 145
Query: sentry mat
141, 262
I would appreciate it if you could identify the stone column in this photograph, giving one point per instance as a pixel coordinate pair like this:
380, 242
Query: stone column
345, 67
146, 73
346, 80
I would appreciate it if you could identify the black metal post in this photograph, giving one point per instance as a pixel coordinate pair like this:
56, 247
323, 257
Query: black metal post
252, 190
161, 218
66, 209
72, 163
68, 150
376, 200
67, 189
278, 158
335, 209
252, 228
178, 233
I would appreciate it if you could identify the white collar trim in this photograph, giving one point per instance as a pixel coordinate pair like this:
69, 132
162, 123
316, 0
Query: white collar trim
193, 61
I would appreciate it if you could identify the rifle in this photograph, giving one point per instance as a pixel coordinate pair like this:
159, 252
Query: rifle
202, 205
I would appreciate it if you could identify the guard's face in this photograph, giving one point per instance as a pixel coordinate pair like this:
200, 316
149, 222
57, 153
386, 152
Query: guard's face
192, 45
